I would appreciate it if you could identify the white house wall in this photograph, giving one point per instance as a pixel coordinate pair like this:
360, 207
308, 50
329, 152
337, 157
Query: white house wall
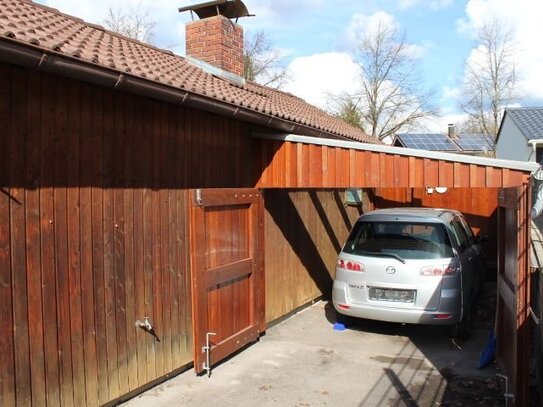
512, 145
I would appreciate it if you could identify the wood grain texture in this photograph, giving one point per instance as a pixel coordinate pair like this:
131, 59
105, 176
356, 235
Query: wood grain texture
94, 235
319, 166
304, 232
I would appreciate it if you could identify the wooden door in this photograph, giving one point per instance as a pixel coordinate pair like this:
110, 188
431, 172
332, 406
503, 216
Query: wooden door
227, 271
512, 327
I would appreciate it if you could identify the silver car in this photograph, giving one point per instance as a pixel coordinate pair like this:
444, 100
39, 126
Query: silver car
410, 265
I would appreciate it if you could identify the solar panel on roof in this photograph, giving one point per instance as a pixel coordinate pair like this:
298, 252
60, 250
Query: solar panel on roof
474, 142
431, 142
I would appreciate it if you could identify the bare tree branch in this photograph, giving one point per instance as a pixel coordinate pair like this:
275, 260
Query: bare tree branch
132, 22
391, 98
490, 80
263, 63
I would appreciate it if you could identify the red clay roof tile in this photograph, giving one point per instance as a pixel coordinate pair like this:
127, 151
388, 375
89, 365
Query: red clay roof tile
49, 29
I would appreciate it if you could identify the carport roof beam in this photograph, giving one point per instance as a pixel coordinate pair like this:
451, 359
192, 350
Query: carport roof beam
433, 155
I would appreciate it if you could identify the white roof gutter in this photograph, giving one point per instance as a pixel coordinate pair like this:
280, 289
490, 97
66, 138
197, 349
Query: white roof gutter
410, 152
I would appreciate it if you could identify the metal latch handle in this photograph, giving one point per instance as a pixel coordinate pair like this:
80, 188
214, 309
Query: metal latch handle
207, 349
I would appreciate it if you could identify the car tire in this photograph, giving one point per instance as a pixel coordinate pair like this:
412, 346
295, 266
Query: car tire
462, 329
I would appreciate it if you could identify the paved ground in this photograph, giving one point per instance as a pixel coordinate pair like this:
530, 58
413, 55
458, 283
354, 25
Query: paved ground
303, 361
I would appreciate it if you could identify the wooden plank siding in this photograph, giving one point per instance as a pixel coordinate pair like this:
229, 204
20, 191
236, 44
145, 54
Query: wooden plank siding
304, 233
336, 167
94, 234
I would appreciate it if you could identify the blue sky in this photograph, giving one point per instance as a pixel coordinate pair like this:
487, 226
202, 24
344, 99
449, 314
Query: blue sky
316, 38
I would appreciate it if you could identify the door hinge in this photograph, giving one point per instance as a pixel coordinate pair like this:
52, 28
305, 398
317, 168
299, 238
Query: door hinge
199, 199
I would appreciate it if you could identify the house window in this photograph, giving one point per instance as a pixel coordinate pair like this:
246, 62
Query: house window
539, 154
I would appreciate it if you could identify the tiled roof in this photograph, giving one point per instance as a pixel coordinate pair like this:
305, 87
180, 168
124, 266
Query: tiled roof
41, 27
529, 120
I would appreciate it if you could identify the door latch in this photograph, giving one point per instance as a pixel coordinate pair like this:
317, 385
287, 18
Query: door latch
207, 349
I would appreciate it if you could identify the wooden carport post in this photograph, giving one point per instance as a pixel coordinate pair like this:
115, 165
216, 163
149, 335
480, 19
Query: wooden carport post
512, 323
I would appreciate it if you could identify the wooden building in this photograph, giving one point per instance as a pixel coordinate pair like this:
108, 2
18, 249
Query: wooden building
148, 202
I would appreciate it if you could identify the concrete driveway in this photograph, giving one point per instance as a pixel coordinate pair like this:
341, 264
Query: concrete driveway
303, 361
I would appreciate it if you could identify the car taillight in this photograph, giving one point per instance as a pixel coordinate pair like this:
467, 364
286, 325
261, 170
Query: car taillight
349, 265
440, 270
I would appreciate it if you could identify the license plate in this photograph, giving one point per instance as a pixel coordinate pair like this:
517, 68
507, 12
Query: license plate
390, 295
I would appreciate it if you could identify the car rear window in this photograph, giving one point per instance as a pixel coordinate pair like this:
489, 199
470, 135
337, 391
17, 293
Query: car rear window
408, 240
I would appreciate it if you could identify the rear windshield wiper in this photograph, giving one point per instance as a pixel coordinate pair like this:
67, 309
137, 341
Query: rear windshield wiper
393, 255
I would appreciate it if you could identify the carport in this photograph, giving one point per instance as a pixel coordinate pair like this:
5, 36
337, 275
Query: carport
494, 194
153, 220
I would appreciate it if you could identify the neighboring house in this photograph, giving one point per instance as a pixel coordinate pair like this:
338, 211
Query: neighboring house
461, 143
520, 136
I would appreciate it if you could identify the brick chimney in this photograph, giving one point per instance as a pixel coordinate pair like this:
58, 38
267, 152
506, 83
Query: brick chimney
217, 41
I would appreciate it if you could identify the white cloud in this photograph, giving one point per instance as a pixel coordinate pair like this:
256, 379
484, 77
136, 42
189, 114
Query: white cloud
451, 93
525, 17
441, 124
317, 76
433, 4
362, 25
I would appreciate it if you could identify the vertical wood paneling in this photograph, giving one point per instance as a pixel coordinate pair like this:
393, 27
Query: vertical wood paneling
48, 253
373, 174
303, 233
98, 243
148, 238
345, 168
461, 175
94, 235
315, 163
431, 173
446, 174
129, 254
16, 155
157, 238
291, 160
493, 177
331, 166
33, 246
109, 245
340, 167
7, 363
477, 176
166, 343
119, 250
139, 173
60, 143
401, 171
360, 173
87, 277
74, 249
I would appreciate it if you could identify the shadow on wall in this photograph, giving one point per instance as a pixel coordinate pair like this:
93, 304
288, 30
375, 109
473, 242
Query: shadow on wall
313, 226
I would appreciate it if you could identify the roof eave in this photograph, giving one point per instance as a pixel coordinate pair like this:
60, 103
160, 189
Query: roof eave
19, 53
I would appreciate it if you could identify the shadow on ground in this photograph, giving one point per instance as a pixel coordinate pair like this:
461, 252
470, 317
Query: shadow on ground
459, 382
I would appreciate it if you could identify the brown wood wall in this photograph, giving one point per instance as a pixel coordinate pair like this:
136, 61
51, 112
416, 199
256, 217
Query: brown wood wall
288, 164
479, 205
304, 232
93, 234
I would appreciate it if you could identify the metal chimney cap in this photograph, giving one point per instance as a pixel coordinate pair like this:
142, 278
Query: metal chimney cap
227, 8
